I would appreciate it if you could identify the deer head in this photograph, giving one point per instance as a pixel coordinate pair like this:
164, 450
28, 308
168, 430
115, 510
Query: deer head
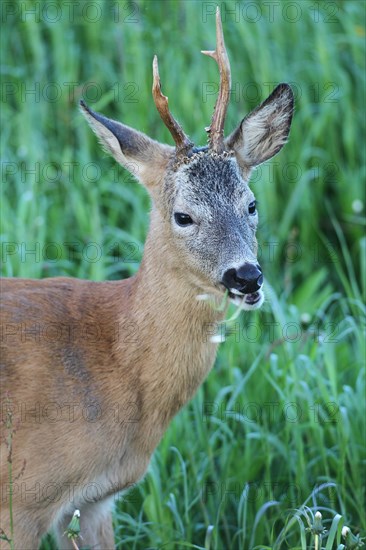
204, 211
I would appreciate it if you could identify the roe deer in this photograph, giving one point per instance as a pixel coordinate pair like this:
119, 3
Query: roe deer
68, 345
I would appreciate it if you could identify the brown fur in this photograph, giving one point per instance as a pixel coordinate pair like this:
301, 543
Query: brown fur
106, 359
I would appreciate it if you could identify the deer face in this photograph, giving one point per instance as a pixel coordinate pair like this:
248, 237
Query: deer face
213, 221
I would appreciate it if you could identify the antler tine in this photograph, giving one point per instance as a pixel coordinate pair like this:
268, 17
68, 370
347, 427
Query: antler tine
183, 143
216, 128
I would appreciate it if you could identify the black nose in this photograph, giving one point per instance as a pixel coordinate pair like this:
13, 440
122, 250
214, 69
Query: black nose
247, 278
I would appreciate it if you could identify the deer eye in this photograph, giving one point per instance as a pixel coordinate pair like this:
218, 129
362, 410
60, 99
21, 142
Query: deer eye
252, 208
182, 219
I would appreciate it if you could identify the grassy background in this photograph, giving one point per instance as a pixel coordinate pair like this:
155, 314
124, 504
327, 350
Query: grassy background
279, 422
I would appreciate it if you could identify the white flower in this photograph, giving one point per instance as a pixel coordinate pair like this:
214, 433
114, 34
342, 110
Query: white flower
202, 296
357, 206
217, 339
305, 319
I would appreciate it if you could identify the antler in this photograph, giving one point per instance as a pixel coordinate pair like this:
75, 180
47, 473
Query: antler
183, 143
216, 128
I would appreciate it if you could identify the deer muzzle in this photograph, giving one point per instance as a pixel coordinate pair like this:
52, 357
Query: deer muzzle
246, 279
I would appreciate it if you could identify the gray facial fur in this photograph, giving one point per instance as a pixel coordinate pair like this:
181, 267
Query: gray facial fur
211, 190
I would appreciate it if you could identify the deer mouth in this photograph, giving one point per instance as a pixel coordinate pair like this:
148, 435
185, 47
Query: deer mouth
253, 300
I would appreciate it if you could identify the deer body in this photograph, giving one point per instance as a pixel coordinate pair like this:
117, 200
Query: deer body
98, 401
96, 371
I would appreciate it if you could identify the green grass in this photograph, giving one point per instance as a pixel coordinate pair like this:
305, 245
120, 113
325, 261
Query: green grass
279, 423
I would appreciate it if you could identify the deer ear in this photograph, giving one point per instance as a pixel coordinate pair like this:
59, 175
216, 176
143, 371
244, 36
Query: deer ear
145, 158
263, 132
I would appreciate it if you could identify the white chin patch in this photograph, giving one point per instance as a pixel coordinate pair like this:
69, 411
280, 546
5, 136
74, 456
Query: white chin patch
248, 302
